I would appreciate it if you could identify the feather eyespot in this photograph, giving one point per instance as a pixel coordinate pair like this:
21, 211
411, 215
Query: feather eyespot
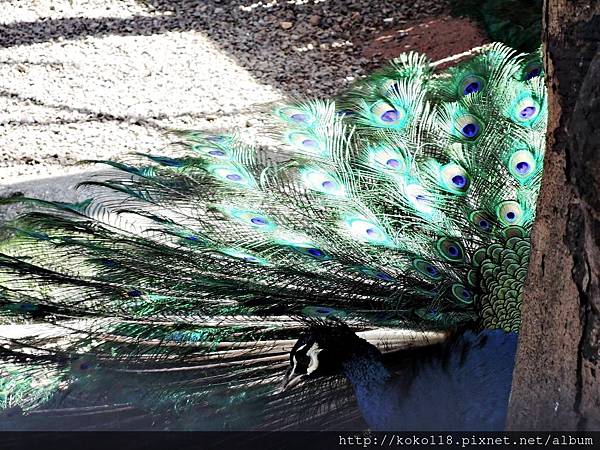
363, 229
481, 221
296, 115
470, 85
213, 152
454, 178
244, 256
374, 273
461, 293
417, 196
522, 164
322, 181
230, 173
313, 252
525, 110
215, 138
510, 213
384, 158
468, 126
82, 364
532, 70
305, 142
450, 249
427, 269
388, 115
254, 219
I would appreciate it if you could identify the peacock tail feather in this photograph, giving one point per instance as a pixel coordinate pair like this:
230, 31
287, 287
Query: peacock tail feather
184, 279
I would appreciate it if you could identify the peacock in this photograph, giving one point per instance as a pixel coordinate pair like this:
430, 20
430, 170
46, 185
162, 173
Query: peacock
362, 266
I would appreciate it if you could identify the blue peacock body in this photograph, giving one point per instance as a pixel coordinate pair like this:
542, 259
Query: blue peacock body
185, 279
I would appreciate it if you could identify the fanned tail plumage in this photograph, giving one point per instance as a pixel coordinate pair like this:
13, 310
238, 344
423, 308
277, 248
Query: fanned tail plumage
184, 279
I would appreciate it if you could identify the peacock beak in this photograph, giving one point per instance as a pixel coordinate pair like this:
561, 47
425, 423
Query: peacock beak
291, 380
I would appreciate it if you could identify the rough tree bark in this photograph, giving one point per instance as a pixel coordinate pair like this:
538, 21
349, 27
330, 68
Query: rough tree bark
557, 375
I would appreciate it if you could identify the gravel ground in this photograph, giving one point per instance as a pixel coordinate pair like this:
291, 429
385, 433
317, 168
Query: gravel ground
86, 79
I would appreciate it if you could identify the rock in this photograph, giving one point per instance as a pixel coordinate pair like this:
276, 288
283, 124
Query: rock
286, 25
314, 20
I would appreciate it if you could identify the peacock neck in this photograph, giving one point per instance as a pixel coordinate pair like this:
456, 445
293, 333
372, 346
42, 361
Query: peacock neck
369, 377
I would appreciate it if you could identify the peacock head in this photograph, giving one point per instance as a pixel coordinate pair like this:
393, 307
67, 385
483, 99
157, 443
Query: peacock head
321, 351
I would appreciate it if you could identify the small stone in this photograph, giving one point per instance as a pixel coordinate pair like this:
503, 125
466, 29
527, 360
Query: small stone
314, 20
286, 25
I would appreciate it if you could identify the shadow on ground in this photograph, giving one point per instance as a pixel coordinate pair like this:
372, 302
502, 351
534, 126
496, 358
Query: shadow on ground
62, 188
284, 44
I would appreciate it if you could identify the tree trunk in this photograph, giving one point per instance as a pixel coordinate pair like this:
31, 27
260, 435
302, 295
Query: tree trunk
556, 382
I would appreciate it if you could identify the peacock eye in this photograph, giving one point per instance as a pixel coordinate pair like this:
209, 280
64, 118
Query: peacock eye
461, 293
417, 196
345, 112
427, 269
295, 115
304, 141
510, 213
391, 115
384, 158
322, 311
210, 151
525, 110
313, 252
320, 180
298, 117
384, 276
522, 164
388, 115
454, 178
535, 72
244, 256
450, 249
252, 218
363, 229
374, 273
470, 130
468, 126
471, 85
481, 220
522, 167
230, 173
532, 69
